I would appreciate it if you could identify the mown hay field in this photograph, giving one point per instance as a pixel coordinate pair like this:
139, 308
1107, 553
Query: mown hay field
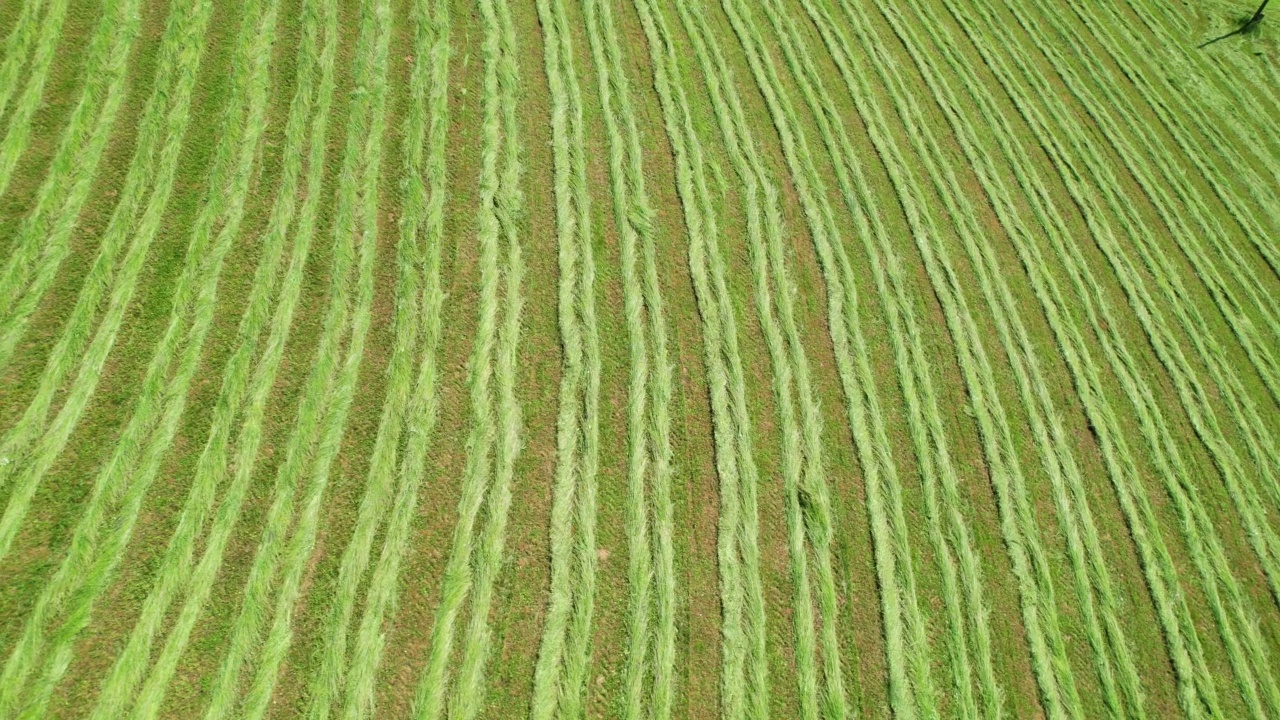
654, 359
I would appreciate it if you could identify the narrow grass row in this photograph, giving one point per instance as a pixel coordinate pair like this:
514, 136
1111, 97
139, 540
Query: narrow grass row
328, 682
1238, 82
16, 46
80, 565
1018, 524
145, 440
42, 241
18, 131
559, 674
1179, 629
308, 115
744, 669
962, 588
494, 438
966, 609
807, 495
1234, 616
35, 442
1228, 102
912, 689
1191, 390
425, 182
650, 665
231, 176
1259, 442
1095, 594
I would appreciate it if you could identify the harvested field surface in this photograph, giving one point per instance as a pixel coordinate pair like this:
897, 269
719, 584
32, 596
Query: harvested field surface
639, 359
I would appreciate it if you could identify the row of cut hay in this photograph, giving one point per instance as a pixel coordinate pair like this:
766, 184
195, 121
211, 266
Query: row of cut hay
35, 442
230, 177
43, 238
16, 46
494, 437
562, 654
744, 679
1193, 394
18, 130
806, 494
1236, 84
1259, 440
229, 183
425, 182
1175, 619
1122, 694
649, 394
83, 570
1017, 521
1234, 617
308, 113
962, 587
912, 689
1154, 175
328, 683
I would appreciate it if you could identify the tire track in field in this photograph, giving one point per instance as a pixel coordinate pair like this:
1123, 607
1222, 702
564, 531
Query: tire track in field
1204, 544
564, 649
495, 432
649, 395
43, 237
1179, 629
744, 678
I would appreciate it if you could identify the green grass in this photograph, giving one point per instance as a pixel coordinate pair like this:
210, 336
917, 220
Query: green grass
804, 358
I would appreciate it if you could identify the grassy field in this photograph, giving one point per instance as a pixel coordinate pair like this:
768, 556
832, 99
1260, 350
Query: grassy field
813, 359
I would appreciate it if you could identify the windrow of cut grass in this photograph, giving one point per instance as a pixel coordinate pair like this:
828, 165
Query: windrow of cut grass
18, 131
1180, 633
1017, 522
34, 442
229, 183
1154, 173
1191, 389
25, 31
1122, 694
42, 242
564, 650
1235, 616
425, 182
744, 669
912, 689
966, 610
807, 495
80, 564
1259, 438
495, 432
650, 653
1235, 89
366, 130
308, 116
